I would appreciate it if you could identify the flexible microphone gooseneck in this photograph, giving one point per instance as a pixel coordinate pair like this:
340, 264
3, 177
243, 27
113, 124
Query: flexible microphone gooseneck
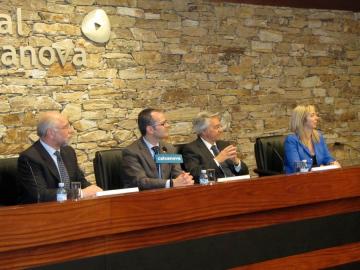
164, 149
348, 145
276, 153
34, 178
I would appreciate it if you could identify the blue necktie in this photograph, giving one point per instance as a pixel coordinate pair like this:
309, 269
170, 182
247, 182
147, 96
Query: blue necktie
215, 150
156, 150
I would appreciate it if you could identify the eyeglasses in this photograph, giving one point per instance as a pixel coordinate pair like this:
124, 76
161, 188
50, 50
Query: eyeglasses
165, 123
67, 126
218, 127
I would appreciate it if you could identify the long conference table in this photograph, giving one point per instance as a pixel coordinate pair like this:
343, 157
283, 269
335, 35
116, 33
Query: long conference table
300, 221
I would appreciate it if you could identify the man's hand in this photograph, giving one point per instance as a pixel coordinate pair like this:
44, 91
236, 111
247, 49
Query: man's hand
228, 152
184, 179
336, 163
90, 191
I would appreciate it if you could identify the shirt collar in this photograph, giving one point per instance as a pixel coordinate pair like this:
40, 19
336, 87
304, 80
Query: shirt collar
148, 144
48, 148
207, 144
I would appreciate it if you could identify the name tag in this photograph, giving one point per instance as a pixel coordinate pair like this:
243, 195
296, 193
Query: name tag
168, 159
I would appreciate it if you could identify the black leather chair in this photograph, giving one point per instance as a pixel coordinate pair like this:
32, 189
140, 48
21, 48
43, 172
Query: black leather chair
269, 155
8, 187
108, 169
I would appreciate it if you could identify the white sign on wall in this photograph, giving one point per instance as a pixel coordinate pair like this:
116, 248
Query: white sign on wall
96, 27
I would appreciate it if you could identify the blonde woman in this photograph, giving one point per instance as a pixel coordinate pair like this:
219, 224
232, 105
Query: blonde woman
306, 143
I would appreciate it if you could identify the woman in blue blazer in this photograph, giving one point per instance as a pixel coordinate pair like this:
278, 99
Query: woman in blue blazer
306, 143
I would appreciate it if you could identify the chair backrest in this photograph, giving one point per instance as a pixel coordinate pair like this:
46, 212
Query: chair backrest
8, 186
178, 150
269, 154
108, 169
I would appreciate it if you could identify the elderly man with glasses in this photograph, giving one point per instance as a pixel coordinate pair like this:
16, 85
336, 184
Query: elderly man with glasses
139, 166
49, 161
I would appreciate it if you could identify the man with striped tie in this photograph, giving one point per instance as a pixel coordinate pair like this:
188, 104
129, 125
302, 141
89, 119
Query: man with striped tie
49, 161
208, 152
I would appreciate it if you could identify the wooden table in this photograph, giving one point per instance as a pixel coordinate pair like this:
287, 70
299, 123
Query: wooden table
310, 219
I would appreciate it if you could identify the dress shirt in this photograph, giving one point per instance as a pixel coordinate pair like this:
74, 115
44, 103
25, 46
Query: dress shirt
208, 146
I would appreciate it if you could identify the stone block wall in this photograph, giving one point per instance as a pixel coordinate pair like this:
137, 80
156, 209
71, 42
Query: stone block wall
251, 63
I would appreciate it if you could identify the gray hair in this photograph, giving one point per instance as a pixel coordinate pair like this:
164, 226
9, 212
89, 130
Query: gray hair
47, 120
202, 120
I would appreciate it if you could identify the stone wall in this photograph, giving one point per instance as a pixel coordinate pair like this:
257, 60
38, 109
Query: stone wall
251, 63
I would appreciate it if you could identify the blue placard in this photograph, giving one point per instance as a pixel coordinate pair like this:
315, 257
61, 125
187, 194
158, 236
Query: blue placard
168, 159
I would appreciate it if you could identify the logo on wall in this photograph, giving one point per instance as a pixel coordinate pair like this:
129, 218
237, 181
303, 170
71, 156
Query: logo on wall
96, 26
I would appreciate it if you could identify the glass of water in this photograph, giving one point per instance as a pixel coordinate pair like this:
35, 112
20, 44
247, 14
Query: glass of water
75, 190
211, 176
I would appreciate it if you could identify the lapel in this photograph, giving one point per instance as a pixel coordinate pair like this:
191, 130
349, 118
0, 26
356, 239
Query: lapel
48, 161
307, 151
206, 152
145, 152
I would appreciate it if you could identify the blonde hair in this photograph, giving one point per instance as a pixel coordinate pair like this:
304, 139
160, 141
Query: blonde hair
298, 119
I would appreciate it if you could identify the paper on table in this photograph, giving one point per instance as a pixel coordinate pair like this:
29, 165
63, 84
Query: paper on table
324, 168
232, 178
117, 191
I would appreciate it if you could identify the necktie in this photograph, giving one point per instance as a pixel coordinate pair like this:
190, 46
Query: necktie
64, 176
223, 167
215, 150
156, 150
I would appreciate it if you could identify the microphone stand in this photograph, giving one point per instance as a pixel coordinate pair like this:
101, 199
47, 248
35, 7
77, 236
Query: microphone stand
34, 178
339, 144
276, 153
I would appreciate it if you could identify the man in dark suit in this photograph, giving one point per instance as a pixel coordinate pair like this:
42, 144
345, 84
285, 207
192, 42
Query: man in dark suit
208, 152
139, 166
50, 161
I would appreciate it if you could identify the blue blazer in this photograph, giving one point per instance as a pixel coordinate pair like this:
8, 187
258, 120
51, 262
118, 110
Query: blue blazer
296, 151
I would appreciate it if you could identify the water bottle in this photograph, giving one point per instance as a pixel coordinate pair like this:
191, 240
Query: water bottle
61, 194
203, 179
304, 167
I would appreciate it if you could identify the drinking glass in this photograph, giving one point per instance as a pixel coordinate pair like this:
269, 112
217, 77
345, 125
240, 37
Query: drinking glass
75, 190
211, 176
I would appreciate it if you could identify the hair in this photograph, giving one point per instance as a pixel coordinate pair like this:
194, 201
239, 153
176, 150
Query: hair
202, 121
298, 119
145, 119
47, 120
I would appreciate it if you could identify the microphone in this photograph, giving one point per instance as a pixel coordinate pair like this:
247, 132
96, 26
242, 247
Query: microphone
168, 158
164, 149
34, 178
340, 144
276, 153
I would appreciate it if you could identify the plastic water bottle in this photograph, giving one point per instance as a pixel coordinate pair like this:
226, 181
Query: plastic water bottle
61, 194
304, 167
203, 179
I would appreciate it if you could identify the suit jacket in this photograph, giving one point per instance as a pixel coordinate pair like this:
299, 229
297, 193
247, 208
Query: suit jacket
296, 151
38, 176
198, 157
139, 167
